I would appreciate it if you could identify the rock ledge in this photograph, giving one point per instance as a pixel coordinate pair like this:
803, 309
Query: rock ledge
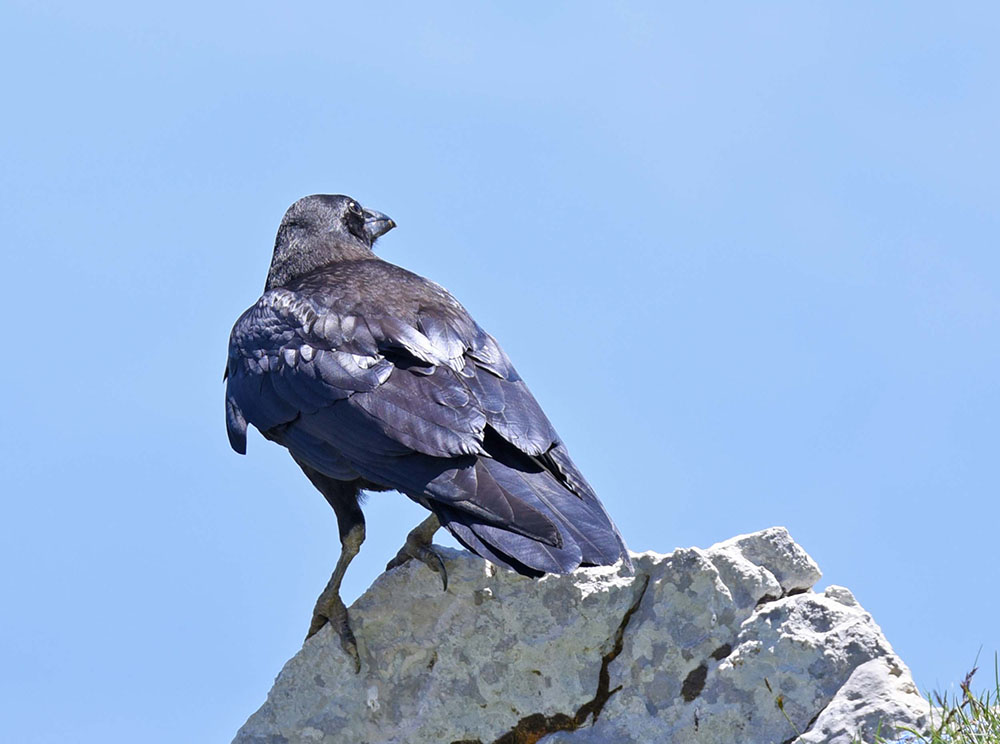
718, 645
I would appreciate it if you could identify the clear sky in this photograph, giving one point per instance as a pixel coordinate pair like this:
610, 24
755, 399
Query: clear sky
746, 256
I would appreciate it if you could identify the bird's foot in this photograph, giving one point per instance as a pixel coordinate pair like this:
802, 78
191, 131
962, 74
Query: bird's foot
330, 609
418, 545
423, 553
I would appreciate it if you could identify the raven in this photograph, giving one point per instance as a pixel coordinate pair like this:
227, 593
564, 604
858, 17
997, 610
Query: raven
377, 379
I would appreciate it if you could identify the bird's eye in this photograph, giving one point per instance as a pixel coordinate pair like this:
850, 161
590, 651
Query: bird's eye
354, 207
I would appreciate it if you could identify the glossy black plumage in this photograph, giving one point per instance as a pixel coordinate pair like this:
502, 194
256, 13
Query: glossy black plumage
373, 376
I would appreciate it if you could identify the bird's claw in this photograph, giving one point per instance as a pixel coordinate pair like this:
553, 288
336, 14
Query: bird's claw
423, 553
350, 646
334, 613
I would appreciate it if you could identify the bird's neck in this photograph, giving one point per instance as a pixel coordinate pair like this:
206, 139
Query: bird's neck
293, 259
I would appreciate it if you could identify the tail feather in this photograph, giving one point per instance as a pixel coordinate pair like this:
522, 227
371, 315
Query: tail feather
578, 520
574, 479
530, 552
586, 534
515, 552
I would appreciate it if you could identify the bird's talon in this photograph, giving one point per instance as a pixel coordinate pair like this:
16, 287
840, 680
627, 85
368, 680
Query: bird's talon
426, 555
330, 609
435, 563
350, 647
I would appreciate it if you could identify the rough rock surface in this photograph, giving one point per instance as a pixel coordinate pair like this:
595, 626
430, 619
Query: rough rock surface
719, 645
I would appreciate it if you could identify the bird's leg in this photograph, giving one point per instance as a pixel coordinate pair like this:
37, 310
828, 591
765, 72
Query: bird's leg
330, 607
418, 545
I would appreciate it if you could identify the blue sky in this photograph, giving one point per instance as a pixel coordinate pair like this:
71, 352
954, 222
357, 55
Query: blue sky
745, 255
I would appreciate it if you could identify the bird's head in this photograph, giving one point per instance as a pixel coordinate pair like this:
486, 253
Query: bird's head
321, 229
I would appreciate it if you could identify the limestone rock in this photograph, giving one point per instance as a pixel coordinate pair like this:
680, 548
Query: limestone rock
718, 645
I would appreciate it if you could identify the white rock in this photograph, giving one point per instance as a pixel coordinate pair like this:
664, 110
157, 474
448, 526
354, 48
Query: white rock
878, 691
719, 645
841, 594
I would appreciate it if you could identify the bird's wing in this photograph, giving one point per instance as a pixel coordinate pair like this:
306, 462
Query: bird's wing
364, 393
505, 400
431, 383
410, 403
286, 358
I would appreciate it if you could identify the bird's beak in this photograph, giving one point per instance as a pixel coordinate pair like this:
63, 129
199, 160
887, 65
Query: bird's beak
377, 224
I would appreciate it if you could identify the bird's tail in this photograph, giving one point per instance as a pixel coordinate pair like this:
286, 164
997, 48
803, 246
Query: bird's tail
532, 518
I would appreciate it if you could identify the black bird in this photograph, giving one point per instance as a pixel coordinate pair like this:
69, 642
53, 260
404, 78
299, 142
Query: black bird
375, 378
